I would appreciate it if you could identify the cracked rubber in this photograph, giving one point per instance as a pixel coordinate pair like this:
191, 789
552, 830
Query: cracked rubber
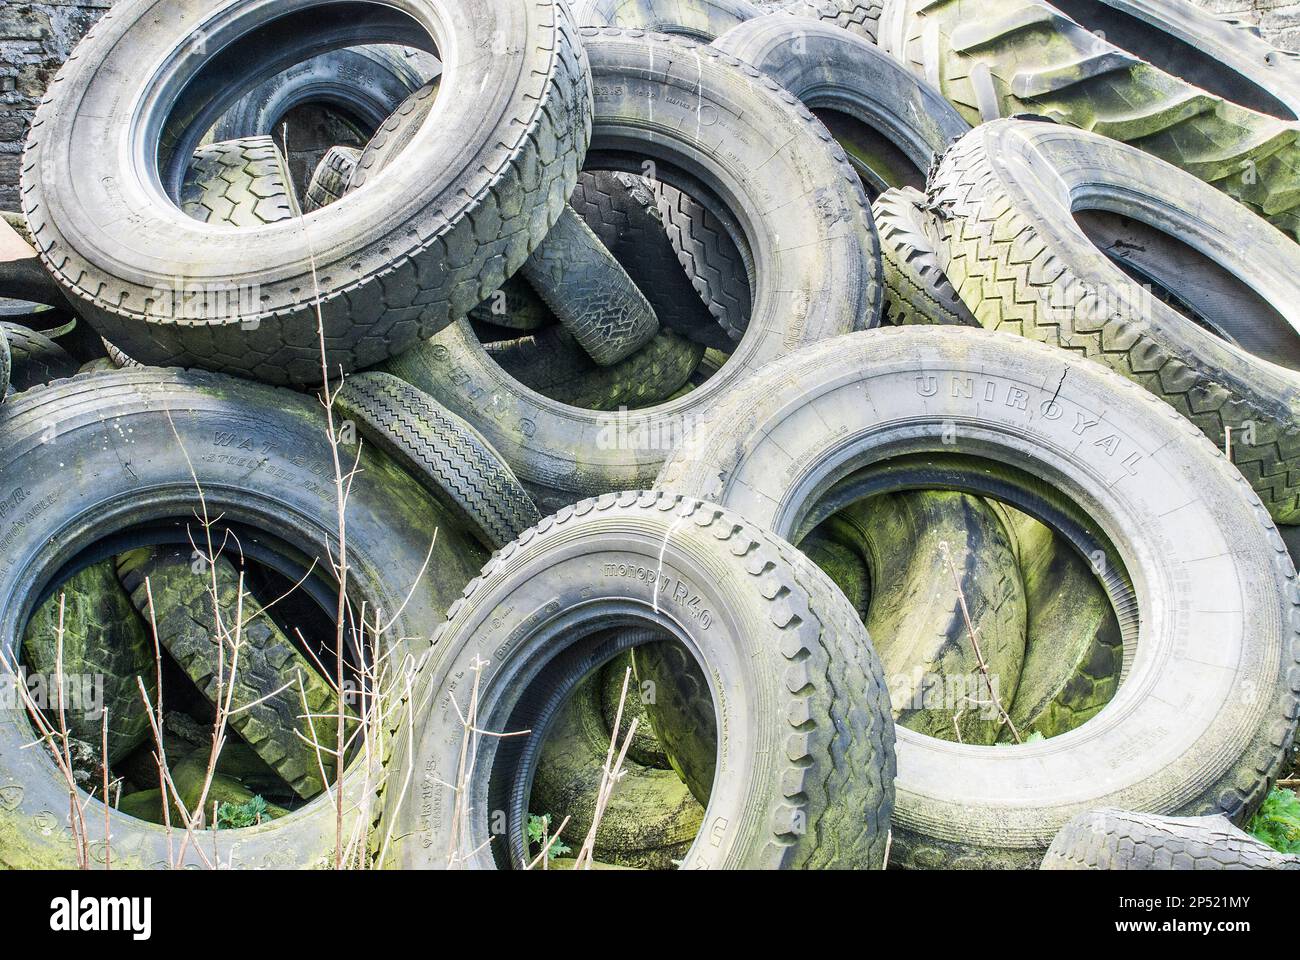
1003, 58
330, 179
1080, 448
916, 290
103, 637
806, 778
1011, 246
1124, 840
447, 455
417, 248
586, 288
826, 279
186, 619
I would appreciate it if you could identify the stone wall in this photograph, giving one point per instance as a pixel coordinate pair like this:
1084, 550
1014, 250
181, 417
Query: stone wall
36, 37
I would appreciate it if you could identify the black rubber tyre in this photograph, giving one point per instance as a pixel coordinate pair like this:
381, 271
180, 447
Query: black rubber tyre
1004, 58
622, 211
890, 123
708, 246
552, 363
793, 767
330, 180
913, 543
825, 281
1009, 241
651, 819
589, 292
366, 84
697, 20
260, 456
6, 366
1123, 840
916, 290
857, 16
447, 455
1101, 461
239, 183
103, 638
1073, 647
279, 724
34, 357
396, 262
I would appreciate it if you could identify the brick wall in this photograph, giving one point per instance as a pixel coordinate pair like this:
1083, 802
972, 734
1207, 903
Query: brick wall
36, 37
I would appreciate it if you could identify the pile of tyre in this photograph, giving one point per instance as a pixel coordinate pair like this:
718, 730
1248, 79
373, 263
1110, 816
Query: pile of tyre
892, 405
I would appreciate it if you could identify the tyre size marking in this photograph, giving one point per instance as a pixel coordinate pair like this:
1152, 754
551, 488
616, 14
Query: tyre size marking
676, 590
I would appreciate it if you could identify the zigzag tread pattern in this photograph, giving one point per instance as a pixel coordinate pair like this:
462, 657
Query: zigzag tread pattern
1006, 57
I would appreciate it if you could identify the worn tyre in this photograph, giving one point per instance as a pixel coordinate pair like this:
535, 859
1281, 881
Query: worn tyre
1012, 57
34, 357
239, 183
935, 558
102, 637
365, 84
447, 455
1123, 840
1028, 253
890, 123
590, 293
331, 178
698, 20
261, 459
395, 263
280, 703
1099, 460
651, 819
916, 289
1073, 648
825, 282
762, 623
645, 748
623, 212
857, 16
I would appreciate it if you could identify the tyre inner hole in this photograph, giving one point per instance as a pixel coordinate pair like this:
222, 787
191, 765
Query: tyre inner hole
555, 773
696, 277
1173, 55
925, 564
278, 623
1207, 294
876, 159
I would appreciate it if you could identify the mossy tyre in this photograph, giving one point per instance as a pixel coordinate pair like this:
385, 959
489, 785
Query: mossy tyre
806, 749
395, 262
1123, 840
789, 185
1200, 580
267, 472
1092, 245
1192, 104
